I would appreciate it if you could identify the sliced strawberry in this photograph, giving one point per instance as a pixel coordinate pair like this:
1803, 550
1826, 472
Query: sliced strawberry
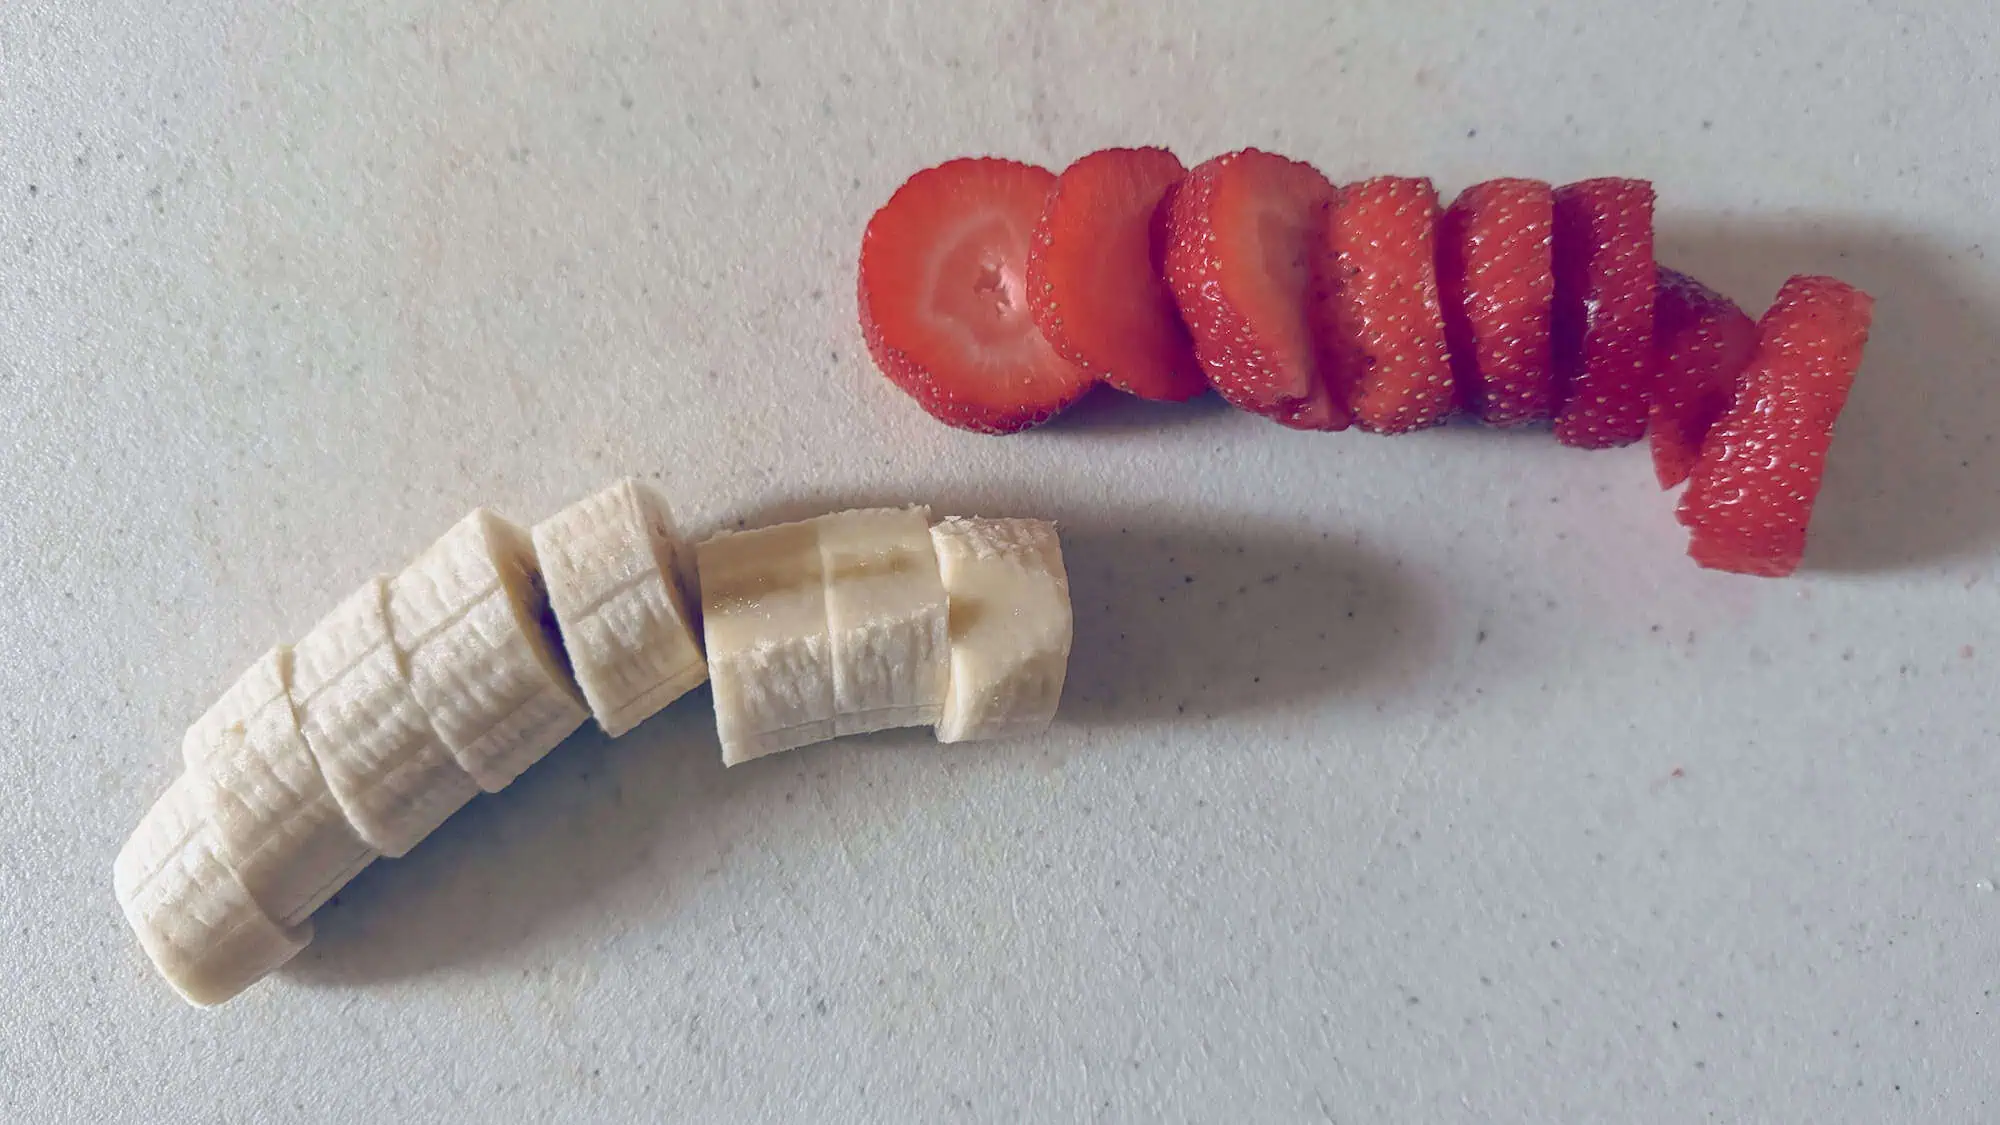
1751, 493
1378, 305
1094, 278
1496, 282
1603, 322
944, 297
1704, 340
1243, 228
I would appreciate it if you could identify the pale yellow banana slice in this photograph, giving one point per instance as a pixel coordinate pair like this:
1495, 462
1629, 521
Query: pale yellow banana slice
1010, 626
259, 684
886, 613
471, 618
770, 659
375, 746
609, 561
194, 918
276, 822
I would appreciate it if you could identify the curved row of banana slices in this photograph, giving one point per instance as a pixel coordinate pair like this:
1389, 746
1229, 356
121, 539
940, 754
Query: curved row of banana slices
422, 689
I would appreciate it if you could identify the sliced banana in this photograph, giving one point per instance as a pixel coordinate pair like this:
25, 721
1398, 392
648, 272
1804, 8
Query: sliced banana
1010, 626
471, 619
886, 613
376, 748
610, 564
194, 918
770, 658
276, 822
259, 684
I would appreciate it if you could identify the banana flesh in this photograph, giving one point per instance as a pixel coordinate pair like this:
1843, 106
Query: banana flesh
1010, 626
466, 617
384, 761
192, 914
770, 658
611, 565
469, 665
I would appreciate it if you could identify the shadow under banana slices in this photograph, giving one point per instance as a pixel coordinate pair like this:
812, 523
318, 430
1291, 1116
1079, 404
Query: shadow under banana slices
1176, 620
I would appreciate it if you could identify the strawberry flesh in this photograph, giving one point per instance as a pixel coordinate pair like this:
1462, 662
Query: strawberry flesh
943, 296
1750, 495
1603, 323
1496, 281
1704, 341
1243, 229
1378, 313
1094, 277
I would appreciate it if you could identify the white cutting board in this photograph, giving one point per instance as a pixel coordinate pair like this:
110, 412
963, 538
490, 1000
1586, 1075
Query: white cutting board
1398, 779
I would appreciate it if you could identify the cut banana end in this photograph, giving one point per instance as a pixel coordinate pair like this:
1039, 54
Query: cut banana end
770, 659
194, 918
609, 561
382, 759
1010, 626
471, 618
259, 684
886, 614
276, 822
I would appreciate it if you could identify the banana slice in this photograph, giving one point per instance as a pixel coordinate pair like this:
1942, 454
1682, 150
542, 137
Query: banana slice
610, 564
194, 918
886, 613
259, 684
276, 822
1010, 626
471, 619
375, 746
770, 658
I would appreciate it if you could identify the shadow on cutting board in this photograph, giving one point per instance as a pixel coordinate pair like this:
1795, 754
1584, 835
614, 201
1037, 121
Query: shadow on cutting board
1175, 622
1914, 473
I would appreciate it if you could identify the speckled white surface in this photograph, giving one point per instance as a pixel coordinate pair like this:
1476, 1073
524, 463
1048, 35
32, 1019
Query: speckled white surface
1413, 779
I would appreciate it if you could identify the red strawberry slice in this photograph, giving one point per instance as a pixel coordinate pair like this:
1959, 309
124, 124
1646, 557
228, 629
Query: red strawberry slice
1704, 340
944, 297
1751, 493
1495, 277
1243, 230
1603, 322
1378, 308
1094, 278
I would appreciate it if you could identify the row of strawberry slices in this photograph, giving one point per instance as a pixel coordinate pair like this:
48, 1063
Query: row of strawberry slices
997, 293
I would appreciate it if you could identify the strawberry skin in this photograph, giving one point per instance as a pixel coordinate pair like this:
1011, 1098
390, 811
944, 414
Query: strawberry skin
1094, 277
1378, 312
1750, 495
1497, 284
1704, 341
943, 295
1242, 230
1603, 322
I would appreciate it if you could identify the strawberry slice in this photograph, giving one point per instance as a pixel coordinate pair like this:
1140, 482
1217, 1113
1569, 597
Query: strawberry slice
1751, 493
1242, 232
1094, 280
1378, 308
944, 297
1603, 322
1704, 340
1495, 276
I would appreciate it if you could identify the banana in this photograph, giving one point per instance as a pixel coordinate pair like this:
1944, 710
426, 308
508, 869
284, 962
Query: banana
609, 561
276, 822
381, 757
468, 617
886, 614
194, 918
1010, 626
259, 684
770, 659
